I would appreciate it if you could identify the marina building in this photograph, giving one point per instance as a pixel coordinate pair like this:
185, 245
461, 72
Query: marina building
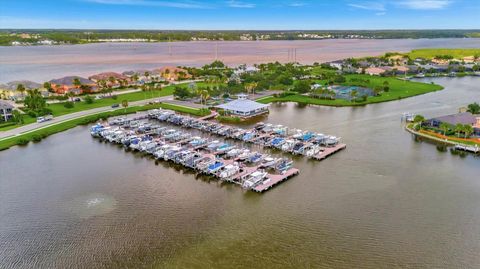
243, 107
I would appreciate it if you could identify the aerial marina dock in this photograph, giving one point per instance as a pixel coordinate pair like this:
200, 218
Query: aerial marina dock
316, 146
250, 169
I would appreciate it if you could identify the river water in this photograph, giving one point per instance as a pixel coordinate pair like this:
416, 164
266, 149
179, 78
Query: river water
43, 63
386, 201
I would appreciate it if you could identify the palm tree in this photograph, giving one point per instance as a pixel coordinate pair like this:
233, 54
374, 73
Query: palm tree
112, 80
21, 89
135, 78
17, 117
467, 130
77, 82
204, 95
125, 105
444, 127
459, 128
70, 95
353, 95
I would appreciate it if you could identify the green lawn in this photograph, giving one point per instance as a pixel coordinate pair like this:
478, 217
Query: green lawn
59, 109
398, 89
43, 133
430, 53
184, 109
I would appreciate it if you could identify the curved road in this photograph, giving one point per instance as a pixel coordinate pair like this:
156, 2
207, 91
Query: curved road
35, 126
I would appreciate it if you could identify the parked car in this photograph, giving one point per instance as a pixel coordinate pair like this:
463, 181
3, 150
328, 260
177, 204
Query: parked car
115, 105
44, 118
77, 99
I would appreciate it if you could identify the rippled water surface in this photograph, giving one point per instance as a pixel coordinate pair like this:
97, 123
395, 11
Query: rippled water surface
43, 63
385, 202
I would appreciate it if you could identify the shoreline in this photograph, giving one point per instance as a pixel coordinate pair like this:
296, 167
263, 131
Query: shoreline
437, 139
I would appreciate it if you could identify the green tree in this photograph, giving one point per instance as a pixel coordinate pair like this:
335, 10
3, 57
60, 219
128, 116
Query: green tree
88, 99
112, 80
21, 89
459, 128
135, 78
181, 92
467, 130
353, 95
386, 86
17, 117
418, 119
77, 83
444, 127
47, 85
473, 108
125, 104
302, 86
34, 101
69, 104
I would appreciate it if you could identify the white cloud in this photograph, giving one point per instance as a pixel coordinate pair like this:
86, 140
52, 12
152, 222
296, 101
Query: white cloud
238, 4
425, 4
171, 4
378, 6
380, 13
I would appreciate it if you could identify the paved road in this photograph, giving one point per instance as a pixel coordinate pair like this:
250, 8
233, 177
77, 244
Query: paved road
35, 126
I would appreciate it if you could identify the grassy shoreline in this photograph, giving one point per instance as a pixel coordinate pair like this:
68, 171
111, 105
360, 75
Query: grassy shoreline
39, 134
399, 89
441, 138
58, 109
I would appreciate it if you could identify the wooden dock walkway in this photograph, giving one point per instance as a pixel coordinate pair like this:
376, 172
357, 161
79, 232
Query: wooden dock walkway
329, 151
274, 179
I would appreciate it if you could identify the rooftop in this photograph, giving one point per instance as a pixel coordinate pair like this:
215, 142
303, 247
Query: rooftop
69, 80
5, 105
107, 75
242, 105
462, 118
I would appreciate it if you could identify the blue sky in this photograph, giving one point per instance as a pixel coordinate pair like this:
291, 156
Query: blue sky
240, 14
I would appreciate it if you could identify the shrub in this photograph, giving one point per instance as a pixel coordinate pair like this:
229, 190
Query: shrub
114, 97
36, 138
69, 105
32, 114
88, 99
286, 93
22, 141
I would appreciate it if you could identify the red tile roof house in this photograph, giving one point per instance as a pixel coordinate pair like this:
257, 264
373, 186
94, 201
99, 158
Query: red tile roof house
66, 84
173, 73
106, 76
375, 71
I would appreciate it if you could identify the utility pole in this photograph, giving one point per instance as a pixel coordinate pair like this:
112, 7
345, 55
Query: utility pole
169, 47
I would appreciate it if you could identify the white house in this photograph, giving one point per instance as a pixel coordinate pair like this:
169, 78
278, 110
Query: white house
242, 107
6, 110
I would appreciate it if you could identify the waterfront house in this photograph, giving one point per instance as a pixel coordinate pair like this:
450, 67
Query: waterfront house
66, 85
173, 73
243, 107
6, 110
465, 118
9, 90
376, 71
111, 78
336, 64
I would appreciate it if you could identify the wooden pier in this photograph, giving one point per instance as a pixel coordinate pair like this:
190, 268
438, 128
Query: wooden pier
274, 179
472, 149
329, 151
